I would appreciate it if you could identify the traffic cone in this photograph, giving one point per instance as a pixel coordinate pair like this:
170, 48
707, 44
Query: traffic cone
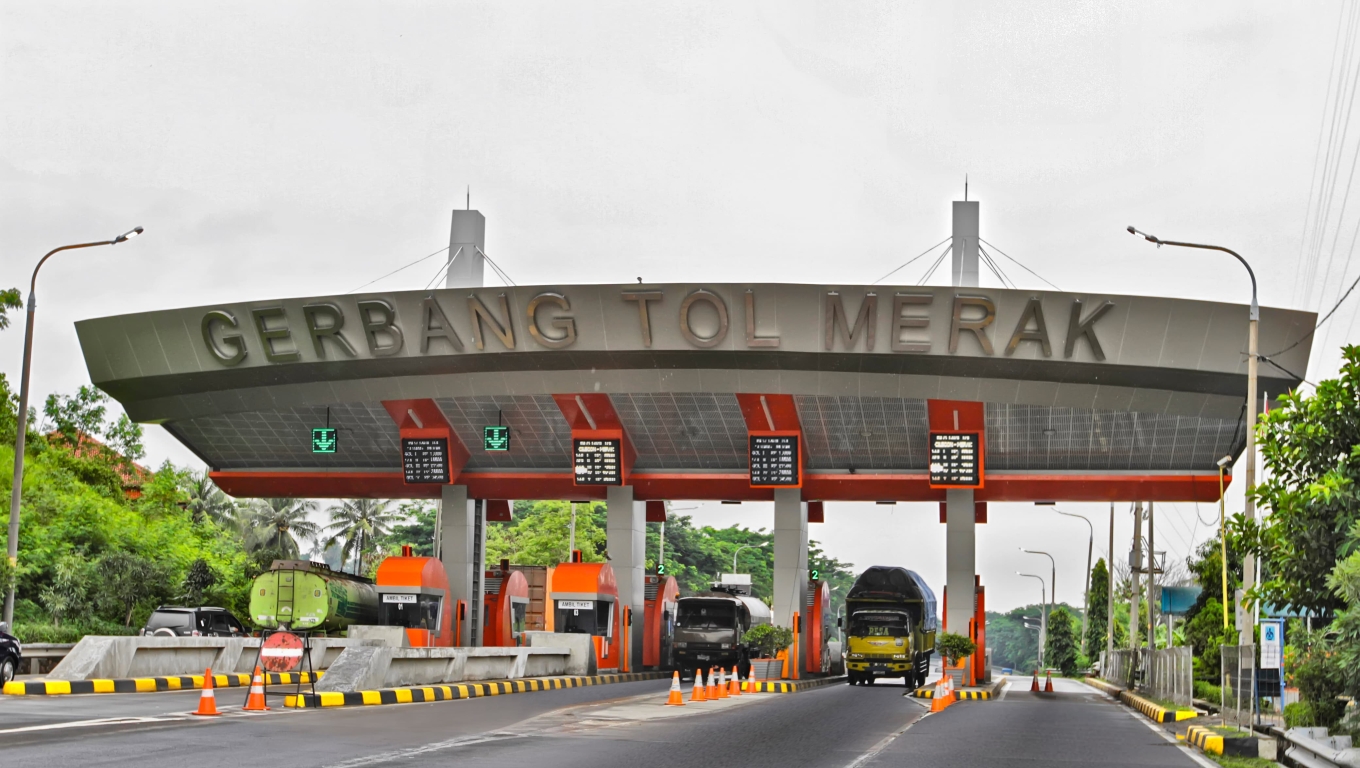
1034, 685
735, 688
711, 692
1048, 682
207, 701
698, 693
937, 699
255, 700
676, 699
722, 682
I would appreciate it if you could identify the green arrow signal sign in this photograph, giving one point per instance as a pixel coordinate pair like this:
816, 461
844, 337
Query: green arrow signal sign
496, 438
323, 440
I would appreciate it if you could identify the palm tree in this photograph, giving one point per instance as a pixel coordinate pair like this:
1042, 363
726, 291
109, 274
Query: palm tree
278, 523
357, 524
207, 501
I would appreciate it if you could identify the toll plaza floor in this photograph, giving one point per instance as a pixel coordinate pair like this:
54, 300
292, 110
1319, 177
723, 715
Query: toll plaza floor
837, 726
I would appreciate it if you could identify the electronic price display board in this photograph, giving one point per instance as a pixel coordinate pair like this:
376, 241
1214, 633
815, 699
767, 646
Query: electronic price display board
775, 461
425, 459
598, 461
955, 460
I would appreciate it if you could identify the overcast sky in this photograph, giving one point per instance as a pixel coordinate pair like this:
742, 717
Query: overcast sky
287, 149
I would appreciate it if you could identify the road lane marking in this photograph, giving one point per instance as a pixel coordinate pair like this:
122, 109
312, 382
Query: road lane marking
400, 754
882, 744
91, 723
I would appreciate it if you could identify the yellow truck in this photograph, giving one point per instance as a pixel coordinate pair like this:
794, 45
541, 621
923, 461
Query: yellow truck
890, 624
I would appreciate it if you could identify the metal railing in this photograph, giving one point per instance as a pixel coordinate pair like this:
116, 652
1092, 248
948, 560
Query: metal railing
1124, 667
1170, 675
1238, 684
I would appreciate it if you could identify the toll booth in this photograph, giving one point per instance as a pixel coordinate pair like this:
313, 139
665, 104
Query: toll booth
816, 629
413, 592
661, 594
505, 607
585, 599
979, 669
540, 616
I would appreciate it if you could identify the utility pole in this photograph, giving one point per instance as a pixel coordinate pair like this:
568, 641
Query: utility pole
1136, 568
1109, 606
571, 534
1152, 578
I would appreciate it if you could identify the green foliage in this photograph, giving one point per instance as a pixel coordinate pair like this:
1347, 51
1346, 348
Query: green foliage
1299, 714
954, 647
1012, 645
418, 530
1098, 609
766, 640
1311, 664
539, 534
205, 501
1206, 691
9, 299
1061, 649
1205, 632
66, 595
77, 416
276, 524
125, 580
41, 632
199, 579
1311, 449
357, 526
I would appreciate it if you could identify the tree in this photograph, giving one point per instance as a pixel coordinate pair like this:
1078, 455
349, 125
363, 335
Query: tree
66, 595
9, 299
276, 524
124, 580
208, 502
197, 582
357, 525
1311, 449
953, 648
77, 416
125, 437
1060, 651
539, 534
1098, 609
417, 531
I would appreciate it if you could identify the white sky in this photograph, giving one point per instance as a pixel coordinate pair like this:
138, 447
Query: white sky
280, 149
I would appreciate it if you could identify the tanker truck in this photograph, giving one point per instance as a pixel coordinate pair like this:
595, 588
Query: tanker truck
300, 595
710, 627
891, 628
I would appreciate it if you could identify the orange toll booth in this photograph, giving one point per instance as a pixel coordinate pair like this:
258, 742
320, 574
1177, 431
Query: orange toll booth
817, 632
506, 607
585, 600
413, 592
661, 594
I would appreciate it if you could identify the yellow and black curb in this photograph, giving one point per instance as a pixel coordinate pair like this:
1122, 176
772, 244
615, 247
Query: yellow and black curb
1155, 712
794, 686
1101, 685
146, 684
425, 693
929, 693
1205, 739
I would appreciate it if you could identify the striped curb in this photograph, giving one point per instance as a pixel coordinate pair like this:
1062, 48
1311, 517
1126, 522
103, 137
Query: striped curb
794, 686
426, 693
929, 693
1205, 739
1156, 712
1103, 686
146, 684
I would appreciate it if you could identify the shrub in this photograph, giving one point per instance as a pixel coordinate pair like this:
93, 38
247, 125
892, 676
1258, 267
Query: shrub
69, 632
954, 647
1208, 692
766, 640
1299, 714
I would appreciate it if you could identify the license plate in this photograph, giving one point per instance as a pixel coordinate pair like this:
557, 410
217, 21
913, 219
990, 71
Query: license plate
701, 656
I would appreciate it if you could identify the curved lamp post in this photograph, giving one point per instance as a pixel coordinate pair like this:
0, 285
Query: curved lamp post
1043, 615
739, 549
1086, 595
1253, 323
21, 426
1053, 583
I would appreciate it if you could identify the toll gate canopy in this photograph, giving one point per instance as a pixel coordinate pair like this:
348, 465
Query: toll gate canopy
846, 392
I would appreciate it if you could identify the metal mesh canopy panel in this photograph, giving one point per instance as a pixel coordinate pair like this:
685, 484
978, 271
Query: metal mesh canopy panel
1038, 438
540, 437
864, 432
691, 431
282, 439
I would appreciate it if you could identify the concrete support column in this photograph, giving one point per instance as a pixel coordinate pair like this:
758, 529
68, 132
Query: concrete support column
790, 554
463, 552
960, 558
626, 529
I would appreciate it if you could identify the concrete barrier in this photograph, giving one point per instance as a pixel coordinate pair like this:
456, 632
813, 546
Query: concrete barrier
374, 667
582, 648
97, 656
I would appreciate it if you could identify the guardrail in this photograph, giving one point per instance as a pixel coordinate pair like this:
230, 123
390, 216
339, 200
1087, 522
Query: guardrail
1313, 748
39, 655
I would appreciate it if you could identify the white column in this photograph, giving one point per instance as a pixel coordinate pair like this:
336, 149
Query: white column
462, 554
467, 235
964, 261
626, 531
790, 554
960, 550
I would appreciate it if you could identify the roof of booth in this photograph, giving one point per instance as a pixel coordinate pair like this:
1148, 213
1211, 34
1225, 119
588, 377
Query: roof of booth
1150, 385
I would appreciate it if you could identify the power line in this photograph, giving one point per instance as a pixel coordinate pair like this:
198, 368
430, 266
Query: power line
395, 271
1022, 266
1324, 319
1317, 149
914, 258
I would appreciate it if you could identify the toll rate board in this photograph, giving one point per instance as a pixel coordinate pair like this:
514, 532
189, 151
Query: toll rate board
774, 461
955, 460
598, 461
425, 459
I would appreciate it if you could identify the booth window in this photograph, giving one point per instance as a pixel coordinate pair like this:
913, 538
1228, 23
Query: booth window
422, 614
599, 621
519, 620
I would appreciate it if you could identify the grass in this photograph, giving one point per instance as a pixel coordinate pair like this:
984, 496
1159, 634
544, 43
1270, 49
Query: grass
1228, 761
1168, 705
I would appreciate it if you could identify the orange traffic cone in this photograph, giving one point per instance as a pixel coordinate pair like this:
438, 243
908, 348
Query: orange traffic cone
1048, 682
938, 701
698, 693
722, 682
735, 688
207, 701
1034, 685
255, 700
676, 699
711, 692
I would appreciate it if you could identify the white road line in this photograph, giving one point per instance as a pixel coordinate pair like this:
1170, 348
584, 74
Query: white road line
90, 724
462, 741
1190, 752
883, 744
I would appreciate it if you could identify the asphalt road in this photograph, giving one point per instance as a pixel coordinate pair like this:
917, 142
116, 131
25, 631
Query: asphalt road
838, 726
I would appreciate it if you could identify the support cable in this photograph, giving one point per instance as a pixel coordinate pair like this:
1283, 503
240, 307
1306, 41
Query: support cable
444, 270
1022, 266
1006, 281
504, 277
933, 267
395, 271
908, 262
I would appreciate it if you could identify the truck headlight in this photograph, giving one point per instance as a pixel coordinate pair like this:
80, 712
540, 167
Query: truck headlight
899, 642
682, 645
856, 656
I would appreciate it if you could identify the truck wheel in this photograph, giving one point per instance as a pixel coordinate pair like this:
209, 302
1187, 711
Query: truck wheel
6, 672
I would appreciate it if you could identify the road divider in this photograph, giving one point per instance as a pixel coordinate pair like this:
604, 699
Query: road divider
428, 693
1154, 711
792, 686
148, 684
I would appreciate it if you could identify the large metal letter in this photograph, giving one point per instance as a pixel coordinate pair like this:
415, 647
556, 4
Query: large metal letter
478, 312
431, 313
899, 322
1034, 310
978, 326
386, 322
269, 335
335, 320
1077, 327
718, 305
642, 297
238, 344
866, 321
564, 323
752, 340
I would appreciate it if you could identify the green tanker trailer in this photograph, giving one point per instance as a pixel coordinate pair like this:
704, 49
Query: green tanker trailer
297, 594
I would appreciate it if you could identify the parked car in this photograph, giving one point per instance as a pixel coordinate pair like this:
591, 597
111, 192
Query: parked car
178, 621
11, 653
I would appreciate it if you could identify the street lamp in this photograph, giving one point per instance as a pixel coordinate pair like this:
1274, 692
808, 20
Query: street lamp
1090, 544
1053, 590
1253, 323
1043, 615
739, 549
21, 425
